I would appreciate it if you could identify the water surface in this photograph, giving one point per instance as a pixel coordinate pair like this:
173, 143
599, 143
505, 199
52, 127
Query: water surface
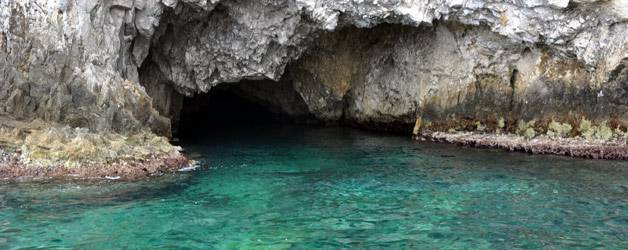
296, 187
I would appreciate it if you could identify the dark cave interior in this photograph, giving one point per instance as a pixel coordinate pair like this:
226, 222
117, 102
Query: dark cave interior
223, 107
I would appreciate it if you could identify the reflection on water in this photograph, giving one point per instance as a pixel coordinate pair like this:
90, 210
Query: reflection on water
295, 187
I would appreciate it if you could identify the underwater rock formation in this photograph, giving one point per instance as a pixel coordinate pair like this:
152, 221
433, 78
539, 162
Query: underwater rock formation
125, 66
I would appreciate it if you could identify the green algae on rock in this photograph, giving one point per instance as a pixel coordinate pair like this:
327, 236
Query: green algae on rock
41, 150
590, 140
574, 147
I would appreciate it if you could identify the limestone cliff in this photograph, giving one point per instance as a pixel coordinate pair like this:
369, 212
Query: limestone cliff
123, 66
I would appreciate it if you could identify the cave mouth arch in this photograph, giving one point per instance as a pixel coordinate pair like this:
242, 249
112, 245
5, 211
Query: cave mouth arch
240, 106
350, 77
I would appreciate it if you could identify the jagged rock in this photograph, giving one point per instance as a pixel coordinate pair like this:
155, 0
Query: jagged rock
40, 149
78, 62
72, 62
126, 65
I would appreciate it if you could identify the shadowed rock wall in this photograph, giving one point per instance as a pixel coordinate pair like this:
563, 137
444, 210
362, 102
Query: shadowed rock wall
450, 63
454, 76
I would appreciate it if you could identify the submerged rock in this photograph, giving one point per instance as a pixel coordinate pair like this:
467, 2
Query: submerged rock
123, 67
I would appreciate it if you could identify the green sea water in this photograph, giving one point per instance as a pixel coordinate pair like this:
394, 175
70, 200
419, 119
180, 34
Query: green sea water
305, 188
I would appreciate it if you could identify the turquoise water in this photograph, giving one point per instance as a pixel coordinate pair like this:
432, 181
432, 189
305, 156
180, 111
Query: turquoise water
297, 188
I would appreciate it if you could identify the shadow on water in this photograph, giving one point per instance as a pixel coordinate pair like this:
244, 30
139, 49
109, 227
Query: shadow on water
353, 149
317, 187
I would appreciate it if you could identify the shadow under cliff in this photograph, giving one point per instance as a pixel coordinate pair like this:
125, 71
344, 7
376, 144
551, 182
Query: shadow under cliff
241, 106
220, 109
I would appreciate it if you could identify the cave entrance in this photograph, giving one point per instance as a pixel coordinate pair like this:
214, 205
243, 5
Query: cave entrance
222, 108
239, 106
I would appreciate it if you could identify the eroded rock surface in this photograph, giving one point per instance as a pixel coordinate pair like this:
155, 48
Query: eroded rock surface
453, 76
123, 66
79, 62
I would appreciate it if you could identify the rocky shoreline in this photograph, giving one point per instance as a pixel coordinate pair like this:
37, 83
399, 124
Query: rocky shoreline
14, 169
95, 88
19, 163
574, 147
38, 150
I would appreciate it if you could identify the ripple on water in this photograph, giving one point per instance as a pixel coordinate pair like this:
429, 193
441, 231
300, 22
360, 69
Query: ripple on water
332, 188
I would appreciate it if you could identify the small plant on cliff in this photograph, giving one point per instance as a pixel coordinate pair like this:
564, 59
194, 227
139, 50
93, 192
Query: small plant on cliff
604, 132
557, 129
526, 129
586, 129
589, 131
501, 124
621, 134
479, 127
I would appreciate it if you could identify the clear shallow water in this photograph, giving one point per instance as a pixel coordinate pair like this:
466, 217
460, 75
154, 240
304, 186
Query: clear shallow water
298, 188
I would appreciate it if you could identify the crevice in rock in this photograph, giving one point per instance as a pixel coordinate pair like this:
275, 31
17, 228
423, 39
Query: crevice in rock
513, 85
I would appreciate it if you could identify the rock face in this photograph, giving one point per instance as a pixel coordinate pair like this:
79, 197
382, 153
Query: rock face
73, 62
123, 66
454, 76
